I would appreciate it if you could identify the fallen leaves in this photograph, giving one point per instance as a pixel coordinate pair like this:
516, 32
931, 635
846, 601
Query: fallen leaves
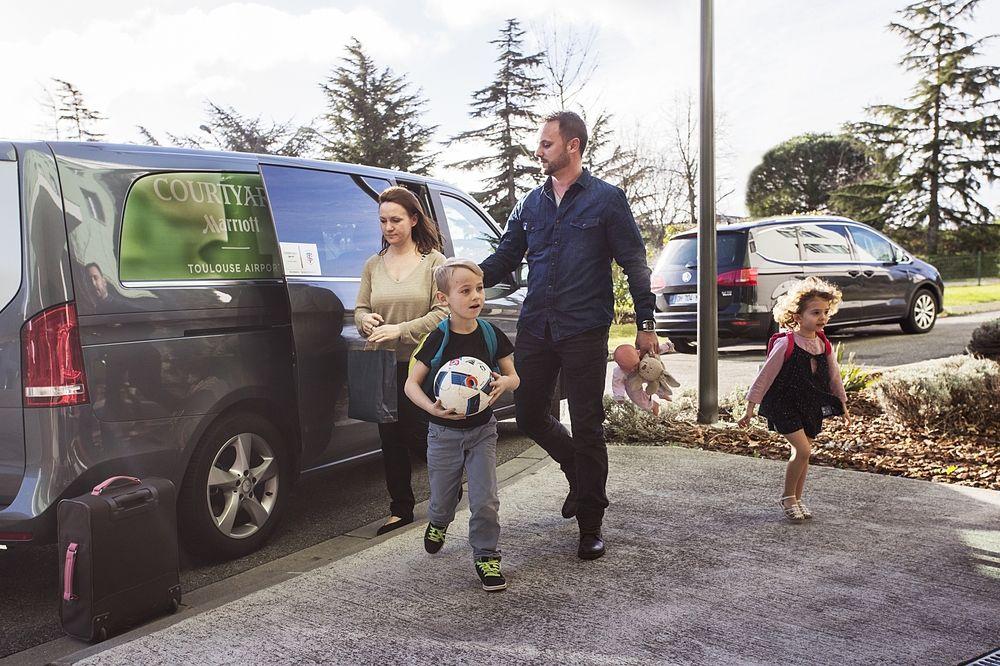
872, 442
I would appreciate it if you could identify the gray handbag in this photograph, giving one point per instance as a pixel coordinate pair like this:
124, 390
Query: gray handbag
371, 385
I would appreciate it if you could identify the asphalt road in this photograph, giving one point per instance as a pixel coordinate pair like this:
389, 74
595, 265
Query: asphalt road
873, 346
323, 507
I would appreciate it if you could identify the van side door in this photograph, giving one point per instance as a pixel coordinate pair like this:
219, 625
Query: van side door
327, 227
887, 284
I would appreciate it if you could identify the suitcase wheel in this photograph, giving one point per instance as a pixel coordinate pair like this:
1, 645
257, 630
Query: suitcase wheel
174, 606
102, 634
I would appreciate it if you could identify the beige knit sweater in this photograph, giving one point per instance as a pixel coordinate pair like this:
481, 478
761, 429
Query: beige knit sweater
410, 302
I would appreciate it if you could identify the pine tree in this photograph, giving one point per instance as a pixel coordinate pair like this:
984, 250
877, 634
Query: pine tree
946, 141
228, 129
507, 104
75, 119
373, 116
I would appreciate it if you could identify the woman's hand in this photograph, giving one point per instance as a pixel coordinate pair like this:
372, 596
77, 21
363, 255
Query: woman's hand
501, 384
369, 322
745, 421
385, 333
438, 410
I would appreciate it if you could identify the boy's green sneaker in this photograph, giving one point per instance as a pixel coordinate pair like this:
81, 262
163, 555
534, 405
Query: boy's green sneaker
434, 538
488, 569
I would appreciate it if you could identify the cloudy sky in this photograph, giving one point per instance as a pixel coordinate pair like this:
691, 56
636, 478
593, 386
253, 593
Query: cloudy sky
783, 67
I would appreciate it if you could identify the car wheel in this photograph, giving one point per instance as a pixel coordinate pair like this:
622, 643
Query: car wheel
922, 314
235, 487
684, 345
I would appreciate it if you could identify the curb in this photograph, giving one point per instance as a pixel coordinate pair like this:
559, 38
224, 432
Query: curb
67, 650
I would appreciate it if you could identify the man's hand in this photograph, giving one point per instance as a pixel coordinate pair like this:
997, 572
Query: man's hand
648, 343
847, 414
501, 384
438, 410
385, 333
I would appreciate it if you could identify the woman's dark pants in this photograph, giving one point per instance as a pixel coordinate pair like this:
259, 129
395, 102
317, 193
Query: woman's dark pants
400, 440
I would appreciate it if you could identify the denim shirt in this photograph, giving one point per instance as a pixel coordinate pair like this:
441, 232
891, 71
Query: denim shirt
569, 248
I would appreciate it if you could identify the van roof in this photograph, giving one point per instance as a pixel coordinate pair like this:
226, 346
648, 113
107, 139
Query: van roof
262, 158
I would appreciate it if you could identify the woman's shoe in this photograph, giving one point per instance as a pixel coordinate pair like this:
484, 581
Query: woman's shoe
391, 524
791, 509
806, 513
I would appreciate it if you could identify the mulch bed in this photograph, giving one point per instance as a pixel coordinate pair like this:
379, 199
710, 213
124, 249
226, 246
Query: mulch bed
871, 443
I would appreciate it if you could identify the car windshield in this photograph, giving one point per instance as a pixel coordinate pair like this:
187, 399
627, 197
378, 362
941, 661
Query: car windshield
683, 252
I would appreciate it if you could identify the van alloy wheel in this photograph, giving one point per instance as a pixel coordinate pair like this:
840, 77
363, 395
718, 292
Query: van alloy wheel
242, 485
235, 487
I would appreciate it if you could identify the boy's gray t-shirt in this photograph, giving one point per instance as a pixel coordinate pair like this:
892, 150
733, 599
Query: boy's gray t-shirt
463, 344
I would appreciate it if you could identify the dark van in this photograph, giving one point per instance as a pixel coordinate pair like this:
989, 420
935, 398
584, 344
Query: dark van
187, 314
757, 261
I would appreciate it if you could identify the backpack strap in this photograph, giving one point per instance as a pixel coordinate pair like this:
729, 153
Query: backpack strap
490, 336
436, 359
826, 343
791, 345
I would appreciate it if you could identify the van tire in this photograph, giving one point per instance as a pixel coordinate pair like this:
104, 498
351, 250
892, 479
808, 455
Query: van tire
255, 504
684, 346
922, 313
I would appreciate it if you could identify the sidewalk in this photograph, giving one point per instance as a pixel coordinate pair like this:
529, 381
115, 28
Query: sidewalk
700, 569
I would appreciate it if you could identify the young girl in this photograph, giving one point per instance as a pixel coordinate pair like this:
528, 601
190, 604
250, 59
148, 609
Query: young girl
797, 390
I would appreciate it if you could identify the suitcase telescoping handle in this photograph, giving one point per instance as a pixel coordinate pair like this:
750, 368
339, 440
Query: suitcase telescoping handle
104, 485
69, 566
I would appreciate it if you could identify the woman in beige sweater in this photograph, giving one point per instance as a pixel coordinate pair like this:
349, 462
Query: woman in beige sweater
395, 309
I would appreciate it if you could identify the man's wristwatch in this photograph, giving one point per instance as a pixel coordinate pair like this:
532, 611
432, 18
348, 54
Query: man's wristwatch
647, 325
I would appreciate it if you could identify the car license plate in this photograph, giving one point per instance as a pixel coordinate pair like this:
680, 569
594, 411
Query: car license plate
683, 299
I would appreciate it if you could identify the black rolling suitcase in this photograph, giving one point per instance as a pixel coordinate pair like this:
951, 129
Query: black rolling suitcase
118, 552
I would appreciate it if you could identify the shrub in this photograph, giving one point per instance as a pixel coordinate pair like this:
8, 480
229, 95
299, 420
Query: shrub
624, 422
986, 340
854, 376
959, 392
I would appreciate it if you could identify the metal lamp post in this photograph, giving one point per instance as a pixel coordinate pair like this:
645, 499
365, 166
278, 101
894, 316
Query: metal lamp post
708, 311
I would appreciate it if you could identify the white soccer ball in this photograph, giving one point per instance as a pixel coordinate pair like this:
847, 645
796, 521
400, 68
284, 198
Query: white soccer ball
464, 384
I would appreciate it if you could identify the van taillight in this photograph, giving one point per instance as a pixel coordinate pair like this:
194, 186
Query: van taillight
741, 277
52, 359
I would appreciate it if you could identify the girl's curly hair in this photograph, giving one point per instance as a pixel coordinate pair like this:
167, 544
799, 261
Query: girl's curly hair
794, 302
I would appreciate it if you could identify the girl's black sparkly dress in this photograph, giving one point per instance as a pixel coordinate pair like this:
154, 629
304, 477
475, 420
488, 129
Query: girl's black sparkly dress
800, 398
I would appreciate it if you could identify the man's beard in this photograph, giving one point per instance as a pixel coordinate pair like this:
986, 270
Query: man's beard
555, 165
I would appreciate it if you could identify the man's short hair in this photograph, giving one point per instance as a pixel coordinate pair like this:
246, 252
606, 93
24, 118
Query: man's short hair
571, 126
443, 273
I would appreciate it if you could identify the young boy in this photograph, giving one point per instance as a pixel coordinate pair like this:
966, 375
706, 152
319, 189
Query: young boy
455, 441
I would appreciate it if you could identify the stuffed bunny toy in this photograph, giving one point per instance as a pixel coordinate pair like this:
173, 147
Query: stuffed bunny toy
654, 376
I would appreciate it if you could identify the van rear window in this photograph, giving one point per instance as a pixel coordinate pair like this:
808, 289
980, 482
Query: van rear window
682, 252
198, 226
10, 233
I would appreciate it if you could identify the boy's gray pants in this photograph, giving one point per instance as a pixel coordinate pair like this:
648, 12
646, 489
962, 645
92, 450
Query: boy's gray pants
475, 449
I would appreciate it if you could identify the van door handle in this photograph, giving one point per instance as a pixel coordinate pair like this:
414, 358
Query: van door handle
868, 273
854, 273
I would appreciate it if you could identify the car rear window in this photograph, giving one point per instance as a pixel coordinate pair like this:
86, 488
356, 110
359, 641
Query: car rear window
10, 233
683, 252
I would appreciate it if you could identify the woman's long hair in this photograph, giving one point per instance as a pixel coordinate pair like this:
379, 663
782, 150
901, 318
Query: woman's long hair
425, 233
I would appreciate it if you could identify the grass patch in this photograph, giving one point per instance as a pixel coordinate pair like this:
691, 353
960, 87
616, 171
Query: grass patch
971, 294
622, 334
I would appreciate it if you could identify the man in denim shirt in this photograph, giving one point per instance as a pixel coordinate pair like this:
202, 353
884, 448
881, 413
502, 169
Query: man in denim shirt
571, 228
